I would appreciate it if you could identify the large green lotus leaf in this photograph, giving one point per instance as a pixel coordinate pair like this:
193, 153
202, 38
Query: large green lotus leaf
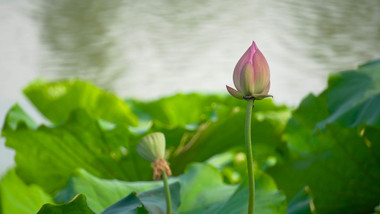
190, 110
353, 97
77, 205
202, 187
342, 171
17, 197
227, 132
47, 156
202, 190
197, 127
56, 101
268, 200
198, 177
152, 201
128, 205
15, 115
323, 160
299, 130
302, 203
101, 193
178, 110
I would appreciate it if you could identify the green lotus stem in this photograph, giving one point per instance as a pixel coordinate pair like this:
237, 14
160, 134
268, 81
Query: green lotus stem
167, 193
251, 179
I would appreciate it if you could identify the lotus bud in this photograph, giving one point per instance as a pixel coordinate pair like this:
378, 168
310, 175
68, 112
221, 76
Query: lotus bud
251, 76
152, 148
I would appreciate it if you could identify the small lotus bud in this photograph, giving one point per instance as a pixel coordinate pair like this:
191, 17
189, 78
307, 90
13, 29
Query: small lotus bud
152, 146
251, 75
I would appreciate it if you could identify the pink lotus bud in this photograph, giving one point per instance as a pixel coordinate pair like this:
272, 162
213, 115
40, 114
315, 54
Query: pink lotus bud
251, 75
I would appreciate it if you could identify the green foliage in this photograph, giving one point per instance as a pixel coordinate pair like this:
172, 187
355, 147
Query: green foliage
48, 155
101, 193
170, 112
267, 198
202, 191
226, 133
342, 172
77, 205
329, 146
340, 165
146, 202
190, 123
302, 203
17, 197
57, 100
353, 97
17, 115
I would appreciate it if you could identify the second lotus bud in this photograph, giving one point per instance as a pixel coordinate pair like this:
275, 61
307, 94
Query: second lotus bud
152, 148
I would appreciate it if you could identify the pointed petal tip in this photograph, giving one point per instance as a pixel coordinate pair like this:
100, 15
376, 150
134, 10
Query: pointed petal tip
261, 96
254, 48
234, 92
252, 51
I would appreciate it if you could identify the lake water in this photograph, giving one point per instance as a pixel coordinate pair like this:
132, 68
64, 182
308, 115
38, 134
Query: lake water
148, 49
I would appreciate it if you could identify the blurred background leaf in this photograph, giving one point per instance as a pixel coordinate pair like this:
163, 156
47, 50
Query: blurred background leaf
340, 165
202, 191
18, 197
353, 97
147, 202
77, 205
57, 100
302, 203
48, 155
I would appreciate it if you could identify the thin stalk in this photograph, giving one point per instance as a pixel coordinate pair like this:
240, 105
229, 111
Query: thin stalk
251, 179
167, 193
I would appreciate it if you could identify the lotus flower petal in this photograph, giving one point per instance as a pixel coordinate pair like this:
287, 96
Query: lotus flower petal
246, 80
261, 71
261, 96
246, 58
234, 92
266, 89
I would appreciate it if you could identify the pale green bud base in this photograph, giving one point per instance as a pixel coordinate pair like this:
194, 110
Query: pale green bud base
249, 97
